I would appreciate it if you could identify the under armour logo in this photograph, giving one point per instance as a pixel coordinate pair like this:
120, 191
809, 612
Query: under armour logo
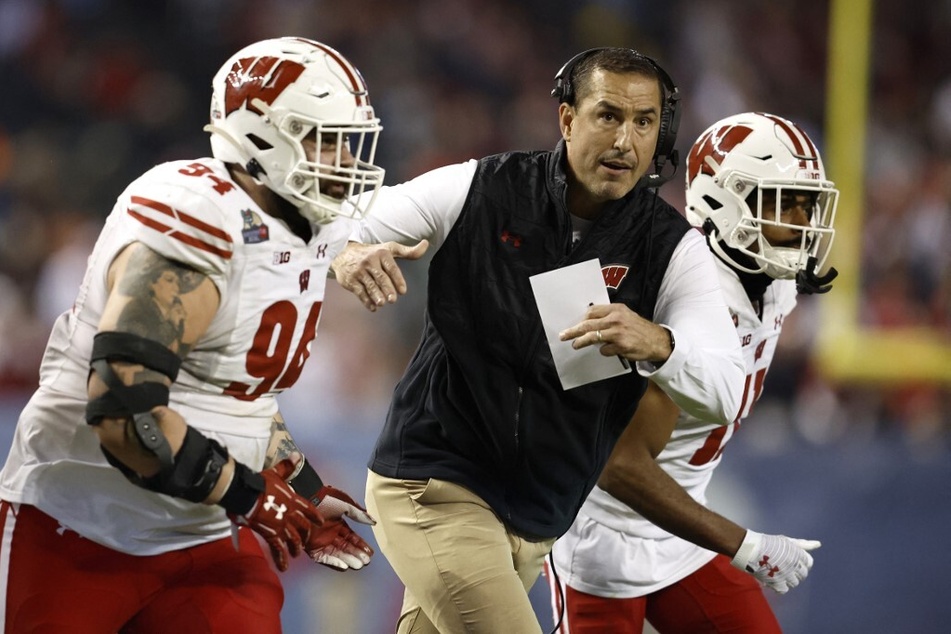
764, 563
516, 240
279, 509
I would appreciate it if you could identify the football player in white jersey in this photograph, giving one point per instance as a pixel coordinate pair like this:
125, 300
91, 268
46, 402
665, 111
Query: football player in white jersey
155, 432
644, 544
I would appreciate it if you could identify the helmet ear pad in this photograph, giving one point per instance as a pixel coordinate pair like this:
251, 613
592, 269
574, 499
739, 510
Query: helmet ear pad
721, 213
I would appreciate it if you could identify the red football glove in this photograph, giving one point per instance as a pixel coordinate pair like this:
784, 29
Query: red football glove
283, 518
334, 544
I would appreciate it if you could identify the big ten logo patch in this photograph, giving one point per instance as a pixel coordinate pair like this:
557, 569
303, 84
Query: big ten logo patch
282, 257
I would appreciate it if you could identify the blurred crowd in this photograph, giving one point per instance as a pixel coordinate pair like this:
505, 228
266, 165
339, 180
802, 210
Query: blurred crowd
97, 91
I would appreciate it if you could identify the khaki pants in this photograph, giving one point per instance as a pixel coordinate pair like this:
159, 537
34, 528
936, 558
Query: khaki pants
463, 570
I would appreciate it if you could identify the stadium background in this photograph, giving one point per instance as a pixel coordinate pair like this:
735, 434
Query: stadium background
849, 445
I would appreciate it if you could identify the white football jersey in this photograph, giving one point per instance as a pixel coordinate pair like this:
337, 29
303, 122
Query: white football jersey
611, 550
271, 285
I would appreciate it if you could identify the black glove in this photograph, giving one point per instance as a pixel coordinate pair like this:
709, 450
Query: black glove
808, 283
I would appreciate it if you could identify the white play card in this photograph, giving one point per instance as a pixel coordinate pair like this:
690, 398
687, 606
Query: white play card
563, 297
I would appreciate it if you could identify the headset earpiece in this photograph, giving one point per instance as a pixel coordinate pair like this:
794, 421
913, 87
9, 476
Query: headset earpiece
670, 116
563, 90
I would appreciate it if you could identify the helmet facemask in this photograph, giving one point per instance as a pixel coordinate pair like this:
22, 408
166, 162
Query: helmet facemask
339, 177
763, 202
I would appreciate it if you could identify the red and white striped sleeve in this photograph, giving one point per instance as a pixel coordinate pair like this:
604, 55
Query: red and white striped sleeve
183, 219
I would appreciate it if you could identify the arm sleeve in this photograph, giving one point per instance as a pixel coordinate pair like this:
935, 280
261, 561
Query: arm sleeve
426, 207
704, 374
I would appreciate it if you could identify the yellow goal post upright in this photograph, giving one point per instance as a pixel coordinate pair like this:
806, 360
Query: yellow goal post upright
848, 351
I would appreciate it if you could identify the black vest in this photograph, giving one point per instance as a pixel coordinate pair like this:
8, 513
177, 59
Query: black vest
480, 403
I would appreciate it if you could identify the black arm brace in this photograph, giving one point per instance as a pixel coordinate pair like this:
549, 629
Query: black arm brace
190, 474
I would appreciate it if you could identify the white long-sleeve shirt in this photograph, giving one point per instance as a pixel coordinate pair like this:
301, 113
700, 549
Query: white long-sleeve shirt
613, 551
704, 375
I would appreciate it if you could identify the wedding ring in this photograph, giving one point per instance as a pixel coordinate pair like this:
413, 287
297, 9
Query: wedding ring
599, 336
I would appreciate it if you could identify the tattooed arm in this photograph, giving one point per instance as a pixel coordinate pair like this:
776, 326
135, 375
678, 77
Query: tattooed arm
282, 444
164, 301
159, 299
334, 544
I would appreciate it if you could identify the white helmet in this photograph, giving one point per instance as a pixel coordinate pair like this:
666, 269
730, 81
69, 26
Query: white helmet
270, 96
728, 169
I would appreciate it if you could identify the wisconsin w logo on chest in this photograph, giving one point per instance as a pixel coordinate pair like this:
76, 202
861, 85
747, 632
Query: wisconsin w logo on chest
614, 274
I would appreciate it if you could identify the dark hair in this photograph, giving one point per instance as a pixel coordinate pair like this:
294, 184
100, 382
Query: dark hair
613, 60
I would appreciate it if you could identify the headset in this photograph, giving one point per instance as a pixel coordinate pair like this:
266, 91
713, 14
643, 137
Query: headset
669, 116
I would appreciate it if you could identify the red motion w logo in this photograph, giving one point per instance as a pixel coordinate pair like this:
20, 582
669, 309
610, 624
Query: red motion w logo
263, 78
614, 274
717, 144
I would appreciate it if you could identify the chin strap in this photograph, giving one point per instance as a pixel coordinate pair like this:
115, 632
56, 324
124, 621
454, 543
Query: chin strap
808, 283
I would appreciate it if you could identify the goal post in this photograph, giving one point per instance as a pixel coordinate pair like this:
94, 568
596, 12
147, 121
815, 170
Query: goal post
848, 351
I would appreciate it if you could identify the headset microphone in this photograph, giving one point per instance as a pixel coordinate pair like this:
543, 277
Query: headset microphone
658, 178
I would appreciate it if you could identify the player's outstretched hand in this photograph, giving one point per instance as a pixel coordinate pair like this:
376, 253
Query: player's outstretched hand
370, 272
777, 561
334, 543
285, 520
